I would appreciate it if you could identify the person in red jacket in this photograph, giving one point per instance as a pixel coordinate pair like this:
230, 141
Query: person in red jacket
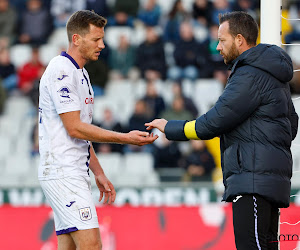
30, 72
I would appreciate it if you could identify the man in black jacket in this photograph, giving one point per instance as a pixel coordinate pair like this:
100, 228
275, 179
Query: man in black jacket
256, 121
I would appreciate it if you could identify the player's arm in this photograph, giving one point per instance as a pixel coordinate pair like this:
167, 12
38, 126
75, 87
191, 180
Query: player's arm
104, 185
85, 131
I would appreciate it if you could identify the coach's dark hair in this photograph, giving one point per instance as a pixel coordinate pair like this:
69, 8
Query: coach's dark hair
241, 23
79, 22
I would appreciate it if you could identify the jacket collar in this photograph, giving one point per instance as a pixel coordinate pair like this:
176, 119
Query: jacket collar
232, 66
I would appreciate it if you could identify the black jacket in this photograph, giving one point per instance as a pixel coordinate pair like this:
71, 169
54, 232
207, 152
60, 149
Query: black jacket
256, 120
192, 53
151, 56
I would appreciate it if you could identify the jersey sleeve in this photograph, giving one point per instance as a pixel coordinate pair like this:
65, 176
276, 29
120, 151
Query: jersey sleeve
64, 92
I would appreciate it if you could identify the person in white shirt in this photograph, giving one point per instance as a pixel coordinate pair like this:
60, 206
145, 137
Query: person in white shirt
65, 135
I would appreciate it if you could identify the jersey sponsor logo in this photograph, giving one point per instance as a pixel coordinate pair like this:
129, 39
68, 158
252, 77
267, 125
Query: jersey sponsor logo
71, 203
62, 77
85, 213
64, 92
67, 101
89, 100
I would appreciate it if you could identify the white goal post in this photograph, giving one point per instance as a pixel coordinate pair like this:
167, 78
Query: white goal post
270, 22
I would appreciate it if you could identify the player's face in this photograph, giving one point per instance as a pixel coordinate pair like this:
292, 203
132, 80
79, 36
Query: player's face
226, 45
92, 43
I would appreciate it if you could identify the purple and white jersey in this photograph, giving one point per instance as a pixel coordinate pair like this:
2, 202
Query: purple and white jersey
64, 87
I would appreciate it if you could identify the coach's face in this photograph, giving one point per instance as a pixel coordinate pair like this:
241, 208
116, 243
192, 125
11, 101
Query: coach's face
227, 44
92, 43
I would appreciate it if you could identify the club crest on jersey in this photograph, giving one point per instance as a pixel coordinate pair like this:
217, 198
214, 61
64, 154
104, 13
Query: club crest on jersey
64, 92
85, 213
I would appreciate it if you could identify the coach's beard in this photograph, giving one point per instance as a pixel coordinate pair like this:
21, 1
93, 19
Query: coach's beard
232, 54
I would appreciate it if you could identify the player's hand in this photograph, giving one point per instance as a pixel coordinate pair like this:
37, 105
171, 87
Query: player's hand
141, 138
157, 123
106, 189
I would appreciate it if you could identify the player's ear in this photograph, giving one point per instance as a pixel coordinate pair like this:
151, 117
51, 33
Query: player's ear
76, 38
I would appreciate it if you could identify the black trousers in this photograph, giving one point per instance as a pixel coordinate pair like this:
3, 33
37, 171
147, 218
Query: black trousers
255, 223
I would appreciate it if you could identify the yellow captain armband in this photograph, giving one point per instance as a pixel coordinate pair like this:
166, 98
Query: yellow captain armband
190, 130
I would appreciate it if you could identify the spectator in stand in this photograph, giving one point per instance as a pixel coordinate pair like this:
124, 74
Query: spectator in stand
211, 43
248, 6
151, 56
34, 93
294, 13
99, 6
177, 111
121, 60
124, 13
30, 72
139, 117
150, 12
137, 122
98, 71
19, 6
202, 12
188, 102
35, 140
8, 19
220, 71
130, 7
153, 100
62, 10
199, 164
219, 7
120, 19
191, 58
35, 24
109, 122
7, 71
166, 153
47, 4
176, 16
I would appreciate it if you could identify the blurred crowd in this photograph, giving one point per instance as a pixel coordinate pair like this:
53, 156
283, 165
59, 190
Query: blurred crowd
179, 43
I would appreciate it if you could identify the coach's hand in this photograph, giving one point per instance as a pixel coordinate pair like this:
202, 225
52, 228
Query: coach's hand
141, 138
106, 189
157, 123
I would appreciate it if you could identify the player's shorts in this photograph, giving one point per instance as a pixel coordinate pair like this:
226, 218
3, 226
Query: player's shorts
72, 203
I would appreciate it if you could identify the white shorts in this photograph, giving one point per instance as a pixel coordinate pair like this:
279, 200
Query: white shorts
72, 204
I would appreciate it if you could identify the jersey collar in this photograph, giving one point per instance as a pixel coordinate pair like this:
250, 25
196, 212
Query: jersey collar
65, 54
